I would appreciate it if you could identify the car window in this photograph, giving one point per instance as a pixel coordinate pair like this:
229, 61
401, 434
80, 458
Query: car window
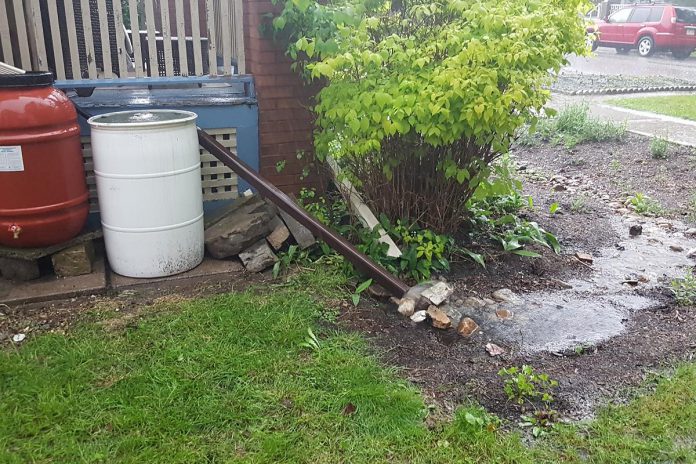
656, 14
621, 16
640, 15
686, 15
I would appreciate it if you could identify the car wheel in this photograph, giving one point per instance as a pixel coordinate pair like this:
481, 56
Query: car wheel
646, 46
682, 53
623, 50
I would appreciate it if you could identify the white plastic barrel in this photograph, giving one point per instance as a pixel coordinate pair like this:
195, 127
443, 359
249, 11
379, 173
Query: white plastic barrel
147, 167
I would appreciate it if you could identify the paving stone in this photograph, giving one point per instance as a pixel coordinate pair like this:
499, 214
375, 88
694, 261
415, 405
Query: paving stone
258, 257
19, 269
279, 235
300, 233
74, 261
438, 293
240, 229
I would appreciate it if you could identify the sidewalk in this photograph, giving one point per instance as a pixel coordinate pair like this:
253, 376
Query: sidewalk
676, 130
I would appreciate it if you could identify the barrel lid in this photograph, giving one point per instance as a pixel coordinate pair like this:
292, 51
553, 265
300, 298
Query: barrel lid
28, 79
142, 118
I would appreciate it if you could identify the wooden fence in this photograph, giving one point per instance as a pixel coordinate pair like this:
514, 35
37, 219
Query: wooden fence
89, 39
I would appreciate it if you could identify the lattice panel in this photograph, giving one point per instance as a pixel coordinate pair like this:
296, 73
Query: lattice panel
217, 180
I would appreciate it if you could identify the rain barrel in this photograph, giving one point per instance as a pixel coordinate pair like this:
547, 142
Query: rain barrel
147, 168
43, 193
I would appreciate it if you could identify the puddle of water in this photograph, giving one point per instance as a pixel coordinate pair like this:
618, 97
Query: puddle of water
596, 308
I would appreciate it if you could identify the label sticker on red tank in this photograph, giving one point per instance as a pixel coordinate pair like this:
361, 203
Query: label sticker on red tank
11, 159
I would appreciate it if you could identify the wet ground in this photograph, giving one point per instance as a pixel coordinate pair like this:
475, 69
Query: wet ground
602, 328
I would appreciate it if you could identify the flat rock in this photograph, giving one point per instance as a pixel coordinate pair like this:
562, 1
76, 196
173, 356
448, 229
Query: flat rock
418, 316
676, 248
19, 269
494, 350
635, 230
467, 327
74, 261
438, 293
240, 229
258, 257
438, 318
690, 232
584, 257
691, 253
279, 235
505, 295
300, 233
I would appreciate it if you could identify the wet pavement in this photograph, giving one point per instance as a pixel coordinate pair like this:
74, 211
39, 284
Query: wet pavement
626, 278
607, 61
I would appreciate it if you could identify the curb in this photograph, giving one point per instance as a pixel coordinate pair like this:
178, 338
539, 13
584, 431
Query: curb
622, 90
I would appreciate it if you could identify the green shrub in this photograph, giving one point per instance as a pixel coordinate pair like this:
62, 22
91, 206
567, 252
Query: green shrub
658, 147
572, 126
420, 97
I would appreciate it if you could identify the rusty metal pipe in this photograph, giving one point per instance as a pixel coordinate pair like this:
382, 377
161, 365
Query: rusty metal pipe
284, 202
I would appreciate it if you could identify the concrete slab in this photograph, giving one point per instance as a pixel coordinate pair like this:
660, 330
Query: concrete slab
208, 268
54, 288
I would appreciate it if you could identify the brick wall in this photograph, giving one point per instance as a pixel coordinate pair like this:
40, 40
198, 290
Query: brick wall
285, 123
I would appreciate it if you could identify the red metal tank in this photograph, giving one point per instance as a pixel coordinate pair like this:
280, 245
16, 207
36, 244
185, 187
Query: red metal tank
43, 194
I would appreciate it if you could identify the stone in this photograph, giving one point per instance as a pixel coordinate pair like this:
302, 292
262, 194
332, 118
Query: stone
74, 261
676, 248
690, 232
452, 312
494, 350
418, 316
623, 211
584, 257
467, 327
489, 302
615, 205
240, 228
559, 188
407, 307
505, 295
438, 293
19, 269
279, 235
438, 318
258, 257
691, 253
300, 233
473, 302
635, 230
504, 314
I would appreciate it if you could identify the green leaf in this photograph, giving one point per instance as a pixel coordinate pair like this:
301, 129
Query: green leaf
279, 23
527, 253
553, 208
363, 286
356, 298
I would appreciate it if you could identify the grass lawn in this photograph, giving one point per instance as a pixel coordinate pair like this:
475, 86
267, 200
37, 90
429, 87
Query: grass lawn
231, 379
680, 106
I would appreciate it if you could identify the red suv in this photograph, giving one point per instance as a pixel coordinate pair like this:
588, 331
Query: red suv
647, 28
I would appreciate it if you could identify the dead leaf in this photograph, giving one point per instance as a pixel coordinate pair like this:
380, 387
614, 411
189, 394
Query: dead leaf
349, 409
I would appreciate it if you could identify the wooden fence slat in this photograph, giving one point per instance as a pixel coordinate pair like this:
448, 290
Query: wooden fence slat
196, 36
120, 40
212, 45
89, 38
22, 36
37, 37
151, 38
135, 37
72, 39
57, 41
167, 39
104, 36
226, 47
181, 38
5, 36
238, 27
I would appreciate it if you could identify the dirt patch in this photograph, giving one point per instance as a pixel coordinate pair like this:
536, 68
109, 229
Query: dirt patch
652, 332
